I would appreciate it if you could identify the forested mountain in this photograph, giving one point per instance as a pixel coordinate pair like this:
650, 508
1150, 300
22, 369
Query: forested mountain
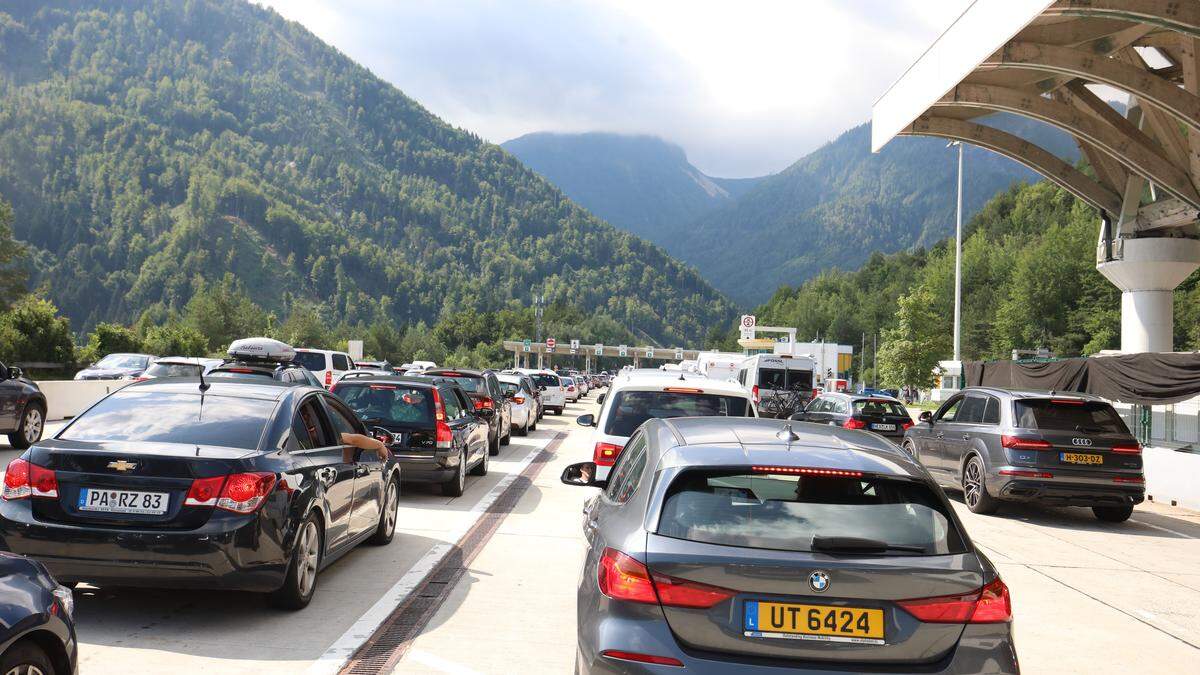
837, 205
641, 184
1029, 280
150, 147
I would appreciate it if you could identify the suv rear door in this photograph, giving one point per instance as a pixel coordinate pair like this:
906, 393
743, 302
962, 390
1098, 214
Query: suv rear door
1085, 437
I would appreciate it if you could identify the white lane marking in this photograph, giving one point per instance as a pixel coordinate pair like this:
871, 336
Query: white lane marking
1164, 529
340, 651
438, 663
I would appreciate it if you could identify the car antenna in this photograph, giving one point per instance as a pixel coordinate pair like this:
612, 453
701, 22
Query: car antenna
203, 385
787, 434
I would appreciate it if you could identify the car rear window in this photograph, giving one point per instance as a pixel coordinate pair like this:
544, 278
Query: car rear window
785, 512
314, 361
473, 385
190, 419
874, 407
779, 378
1051, 415
384, 403
545, 380
123, 361
631, 408
509, 387
161, 369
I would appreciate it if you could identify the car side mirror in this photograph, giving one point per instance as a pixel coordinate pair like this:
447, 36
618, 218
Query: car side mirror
486, 413
582, 474
383, 435
586, 420
14, 373
926, 417
600, 399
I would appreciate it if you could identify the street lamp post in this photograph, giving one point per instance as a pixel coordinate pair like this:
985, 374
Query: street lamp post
958, 266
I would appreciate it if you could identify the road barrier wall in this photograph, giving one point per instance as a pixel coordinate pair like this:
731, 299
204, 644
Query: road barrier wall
68, 398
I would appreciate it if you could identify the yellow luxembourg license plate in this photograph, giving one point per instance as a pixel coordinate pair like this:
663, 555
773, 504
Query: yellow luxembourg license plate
813, 622
1080, 458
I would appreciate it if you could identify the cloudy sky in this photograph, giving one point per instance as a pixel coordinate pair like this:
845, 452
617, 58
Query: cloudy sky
745, 86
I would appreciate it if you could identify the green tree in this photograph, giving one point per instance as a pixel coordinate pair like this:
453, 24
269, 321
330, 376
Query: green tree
222, 313
912, 348
13, 274
175, 340
33, 331
110, 338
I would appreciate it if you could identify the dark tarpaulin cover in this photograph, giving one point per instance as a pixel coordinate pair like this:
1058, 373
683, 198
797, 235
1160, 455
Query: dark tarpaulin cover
1147, 379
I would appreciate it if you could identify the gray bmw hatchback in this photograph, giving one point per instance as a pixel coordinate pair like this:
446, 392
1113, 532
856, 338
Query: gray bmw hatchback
1058, 449
767, 546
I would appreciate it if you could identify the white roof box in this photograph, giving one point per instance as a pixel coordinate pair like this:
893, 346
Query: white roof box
261, 349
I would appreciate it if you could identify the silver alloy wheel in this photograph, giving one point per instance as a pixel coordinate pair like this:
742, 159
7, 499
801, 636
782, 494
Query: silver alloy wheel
462, 471
309, 558
33, 426
25, 669
910, 448
972, 483
391, 505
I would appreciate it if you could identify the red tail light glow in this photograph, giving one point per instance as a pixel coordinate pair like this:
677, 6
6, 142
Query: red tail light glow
674, 592
807, 471
684, 390
1019, 443
204, 491
1128, 449
1130, 479
1025, 474
518, 399
990, 604
23, 479
854, 423
622, 578
328, 379
485, 403
1068, 401
754, 393
641, 658
245, 492
605, 454
904, 426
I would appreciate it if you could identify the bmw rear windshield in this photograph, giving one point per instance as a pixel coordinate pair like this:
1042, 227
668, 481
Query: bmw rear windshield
190, 419
1068, 415
631, 408
759, 509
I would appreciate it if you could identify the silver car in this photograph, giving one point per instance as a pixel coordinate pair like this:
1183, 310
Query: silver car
767, 546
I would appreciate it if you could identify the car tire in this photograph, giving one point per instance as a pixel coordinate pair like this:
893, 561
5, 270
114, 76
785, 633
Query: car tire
974, 485
29, 431
300, 581
386, 529
1113, 514
26, 657
533, 427
910, 448
558, 411
458, 483
507, 436
481, 469
494, 445
524, 430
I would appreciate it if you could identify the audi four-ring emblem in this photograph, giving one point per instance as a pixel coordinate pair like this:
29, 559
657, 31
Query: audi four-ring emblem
1081, 441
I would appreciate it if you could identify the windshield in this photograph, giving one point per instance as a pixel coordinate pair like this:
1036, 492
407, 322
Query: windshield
388, 404
631, 408
876, 407
191, 419
161, 369
123, 361
545, 380
780, 378
1050, 415
313, 361
785, 512
473, 385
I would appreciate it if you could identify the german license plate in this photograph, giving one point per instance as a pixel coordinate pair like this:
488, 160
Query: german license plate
883, 427
122, 501
1081, 458
813, 622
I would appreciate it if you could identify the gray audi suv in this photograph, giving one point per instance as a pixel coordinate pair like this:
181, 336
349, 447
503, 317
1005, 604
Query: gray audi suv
768, 546
1006, 445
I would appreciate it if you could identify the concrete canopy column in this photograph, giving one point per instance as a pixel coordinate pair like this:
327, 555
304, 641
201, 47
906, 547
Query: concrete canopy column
1147, 272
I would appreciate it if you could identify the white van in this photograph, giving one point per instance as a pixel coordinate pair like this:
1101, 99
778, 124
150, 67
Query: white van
768, 374
634, 398
328, 366
719, 365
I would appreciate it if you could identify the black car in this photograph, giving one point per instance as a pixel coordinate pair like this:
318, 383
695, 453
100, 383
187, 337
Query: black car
432, 427
37, 630
22, 408
486, 394
1004, 445
224, 484
882, 415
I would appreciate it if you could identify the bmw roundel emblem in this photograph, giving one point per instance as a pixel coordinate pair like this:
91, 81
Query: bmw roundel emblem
819, 581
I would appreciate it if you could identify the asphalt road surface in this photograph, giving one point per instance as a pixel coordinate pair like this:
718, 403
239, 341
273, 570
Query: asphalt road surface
1088, 597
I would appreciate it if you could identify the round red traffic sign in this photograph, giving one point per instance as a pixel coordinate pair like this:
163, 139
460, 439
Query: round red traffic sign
748, 321
550, 342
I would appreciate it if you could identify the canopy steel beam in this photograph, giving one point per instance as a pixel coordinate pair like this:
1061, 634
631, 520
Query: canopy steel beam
1182, 16
1020, 150
1125, 148
1140, 82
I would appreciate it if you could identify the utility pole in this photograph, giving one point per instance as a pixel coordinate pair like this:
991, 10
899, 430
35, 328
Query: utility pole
958, 263
875, 355
862, 360
539, 301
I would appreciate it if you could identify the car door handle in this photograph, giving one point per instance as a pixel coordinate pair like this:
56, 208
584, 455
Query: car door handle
362, 470
966, 437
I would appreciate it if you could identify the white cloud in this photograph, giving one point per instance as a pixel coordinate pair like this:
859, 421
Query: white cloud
745, 87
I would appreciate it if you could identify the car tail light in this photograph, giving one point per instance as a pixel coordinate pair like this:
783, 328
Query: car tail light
990, 604
1130, 479
674, 592
1128, 449
854, 423
754, 393
485, 403
640, 658
807, 471
204, 491
518, 399
328, 379
904, 426
1067, 401
1025, 474
245, 492
684, 390
443, 436
623, 578
605, 454
1024, 443
24, 479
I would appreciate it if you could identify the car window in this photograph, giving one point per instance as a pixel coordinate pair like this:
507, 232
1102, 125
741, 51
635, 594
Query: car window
545, 380
122, 361
949, 410
755, 508
341, 362
631, 408
840, 407
991, 412
190, 419
971, 411
343, 422
452, 403
314, 361
471, 383
1068, 415
161, 369
388, 403
815, 405
872, 406
622, 472
467, 403
307, 427
509, 388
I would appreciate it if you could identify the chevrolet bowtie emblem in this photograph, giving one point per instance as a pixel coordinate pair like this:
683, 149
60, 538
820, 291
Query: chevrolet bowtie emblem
122, 465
